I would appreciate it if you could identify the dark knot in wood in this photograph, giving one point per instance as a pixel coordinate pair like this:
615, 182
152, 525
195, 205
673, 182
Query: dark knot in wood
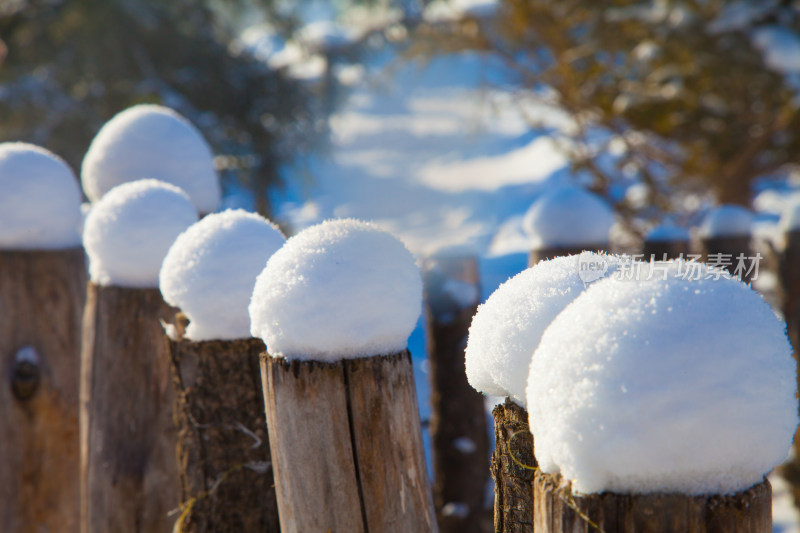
25, 373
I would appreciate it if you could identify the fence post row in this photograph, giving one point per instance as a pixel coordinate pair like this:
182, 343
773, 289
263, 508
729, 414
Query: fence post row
458, 417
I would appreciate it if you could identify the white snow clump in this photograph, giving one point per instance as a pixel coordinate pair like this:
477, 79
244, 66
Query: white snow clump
667, 232
727, 220
340, 289
151, 141
211, 268
40, 202
507, 328
666, 384
129, 231
568, 216
790, 219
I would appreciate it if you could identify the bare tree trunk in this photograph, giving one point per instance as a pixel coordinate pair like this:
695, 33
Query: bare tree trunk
346, 445
513, 466
223, 447
458, 425
129, 474
560, 511
41, 302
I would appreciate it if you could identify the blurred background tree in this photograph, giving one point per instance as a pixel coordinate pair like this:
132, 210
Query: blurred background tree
680, 95
72, 64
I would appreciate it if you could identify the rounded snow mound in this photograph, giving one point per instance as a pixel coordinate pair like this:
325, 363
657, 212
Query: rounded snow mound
129, 231
727, 220
507, 328
663, 385
151, 141
40, 202
340, 289
668, 233
790, 219
566, 217
211, 268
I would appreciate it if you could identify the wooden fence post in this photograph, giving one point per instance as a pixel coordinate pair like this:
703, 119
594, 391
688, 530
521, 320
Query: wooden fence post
223, 448
733, 246
543, 254
346, 445
560, 511
789, 273
129, 475
41, 303
513, 466
458, 425
661, 250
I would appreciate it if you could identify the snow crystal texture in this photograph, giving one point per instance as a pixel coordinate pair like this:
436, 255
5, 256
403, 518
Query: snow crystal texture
507, 328
566, 217
727, 220
211, 269
340, 289
129, 231
663, 385
39, 200
151, 141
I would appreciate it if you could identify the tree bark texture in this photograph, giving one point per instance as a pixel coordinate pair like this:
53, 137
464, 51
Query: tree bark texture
551, 253
658, 250
560, 511
223, 446
458, 426
347, 446
513, 467
129, 474
733, 246
41, 303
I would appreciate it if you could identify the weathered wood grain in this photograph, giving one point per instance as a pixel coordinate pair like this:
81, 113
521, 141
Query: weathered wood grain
129, 475
389, 453
557, 510
312, 451
513, 467
223, 446
346, 445
41, 302
458, 426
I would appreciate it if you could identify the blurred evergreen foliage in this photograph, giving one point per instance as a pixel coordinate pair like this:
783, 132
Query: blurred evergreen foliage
680, 83
72, 64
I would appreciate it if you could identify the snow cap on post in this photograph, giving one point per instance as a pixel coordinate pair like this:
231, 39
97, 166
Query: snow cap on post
151, 141
211, 268
507, 328
129, 231
568, 216
727, 220
668, 383
668, 232
39, 199
338, 290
